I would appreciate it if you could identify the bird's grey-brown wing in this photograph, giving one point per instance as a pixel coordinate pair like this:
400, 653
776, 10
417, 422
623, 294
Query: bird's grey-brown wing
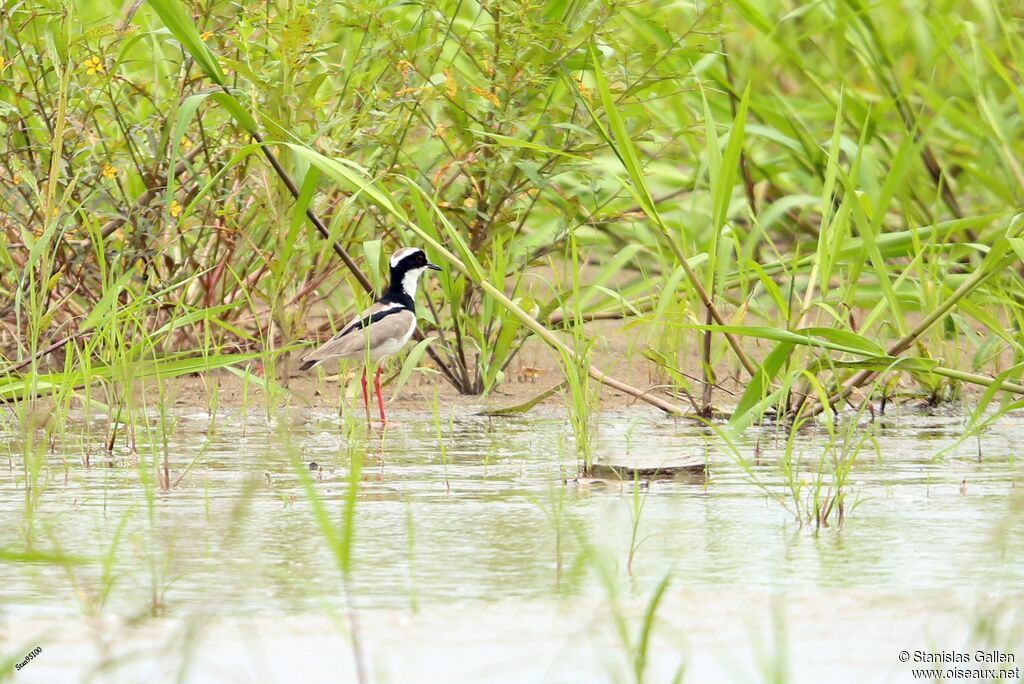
373, 327
365, 317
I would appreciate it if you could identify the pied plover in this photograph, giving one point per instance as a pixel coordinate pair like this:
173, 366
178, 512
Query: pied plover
382, 329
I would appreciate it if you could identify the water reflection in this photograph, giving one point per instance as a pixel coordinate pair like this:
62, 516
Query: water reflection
492, 510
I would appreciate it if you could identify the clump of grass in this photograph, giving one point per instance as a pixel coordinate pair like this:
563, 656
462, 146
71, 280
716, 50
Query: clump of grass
633, 634
581, 395
339, 536
636, 510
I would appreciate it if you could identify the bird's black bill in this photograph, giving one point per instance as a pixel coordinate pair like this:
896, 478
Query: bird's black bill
434, 267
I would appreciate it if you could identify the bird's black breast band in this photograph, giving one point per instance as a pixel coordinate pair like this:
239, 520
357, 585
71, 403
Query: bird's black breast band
367, 321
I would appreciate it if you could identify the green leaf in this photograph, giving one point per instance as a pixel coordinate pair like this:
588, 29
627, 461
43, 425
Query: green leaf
757, 391
507, 334
172, 13
18, 387
847, 339
351, 176
822, 338
726, 179
410, 364
106, 302
881, 364
526, 405
509, 141
623, 146
236, 110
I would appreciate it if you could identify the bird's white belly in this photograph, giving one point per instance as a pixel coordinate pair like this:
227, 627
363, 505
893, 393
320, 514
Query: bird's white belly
392, 345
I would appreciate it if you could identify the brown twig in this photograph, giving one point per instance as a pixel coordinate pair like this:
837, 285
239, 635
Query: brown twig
43, 352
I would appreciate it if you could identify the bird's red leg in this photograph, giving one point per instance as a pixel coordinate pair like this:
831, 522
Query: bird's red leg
380, 398
366, 396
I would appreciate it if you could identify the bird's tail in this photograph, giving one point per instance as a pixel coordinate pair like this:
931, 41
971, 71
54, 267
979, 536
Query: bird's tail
308, 363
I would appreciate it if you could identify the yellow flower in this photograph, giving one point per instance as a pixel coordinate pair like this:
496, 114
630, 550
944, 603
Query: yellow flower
3, 62
94, 65
487, 95
206, 35
439, 129
176, 208
469, 202
109, 171
450, 86
186, 144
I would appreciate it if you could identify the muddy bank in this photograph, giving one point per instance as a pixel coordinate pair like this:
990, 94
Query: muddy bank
535, 371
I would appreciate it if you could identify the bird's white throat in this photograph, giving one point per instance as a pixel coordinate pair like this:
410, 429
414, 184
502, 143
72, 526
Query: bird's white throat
410, 280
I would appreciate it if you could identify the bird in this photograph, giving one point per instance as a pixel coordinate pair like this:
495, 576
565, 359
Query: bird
382, 329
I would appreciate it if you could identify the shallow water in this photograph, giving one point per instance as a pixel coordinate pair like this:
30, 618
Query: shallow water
489, 522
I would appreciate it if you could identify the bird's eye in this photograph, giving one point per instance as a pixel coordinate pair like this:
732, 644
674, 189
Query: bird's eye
420, 259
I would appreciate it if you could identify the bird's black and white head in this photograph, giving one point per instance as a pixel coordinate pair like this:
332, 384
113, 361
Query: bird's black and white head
407, 265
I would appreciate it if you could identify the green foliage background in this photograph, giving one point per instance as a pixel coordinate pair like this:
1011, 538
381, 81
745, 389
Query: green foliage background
838, 169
